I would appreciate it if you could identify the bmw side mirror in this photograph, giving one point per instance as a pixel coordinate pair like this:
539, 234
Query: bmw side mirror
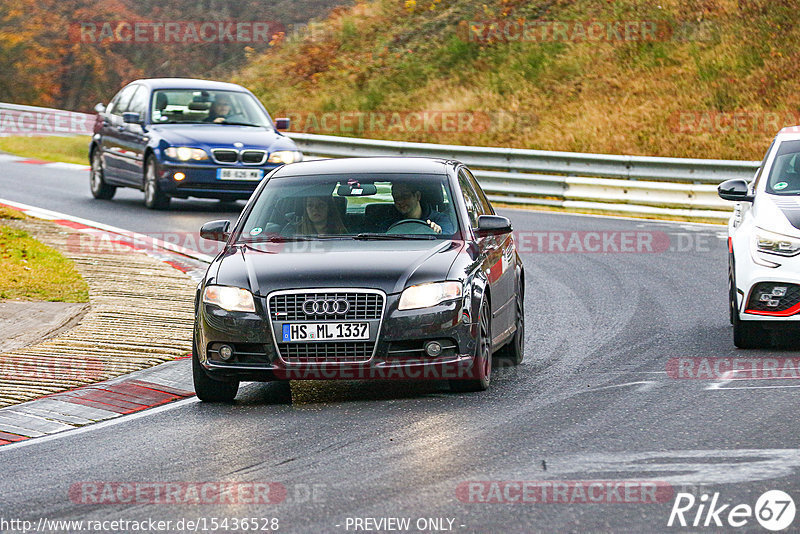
216, 230
493, 225
131, 118
100, 108
736, 190
282, 123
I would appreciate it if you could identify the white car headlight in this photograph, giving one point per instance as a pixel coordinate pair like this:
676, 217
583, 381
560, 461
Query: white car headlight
185, 153
229, 298
286, 156
427, 295
773, 243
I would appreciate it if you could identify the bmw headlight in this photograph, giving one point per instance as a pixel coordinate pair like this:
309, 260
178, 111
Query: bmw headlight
773, 243
286, 156
427, 295
185, 153
229, 298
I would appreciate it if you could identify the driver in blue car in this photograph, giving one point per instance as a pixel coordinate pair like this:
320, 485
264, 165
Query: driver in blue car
220, 110
407, 201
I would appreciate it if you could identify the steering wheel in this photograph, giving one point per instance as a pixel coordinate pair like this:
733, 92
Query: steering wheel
415, 227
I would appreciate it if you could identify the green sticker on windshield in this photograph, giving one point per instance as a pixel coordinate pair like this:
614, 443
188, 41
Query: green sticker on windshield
780, 185
256, 231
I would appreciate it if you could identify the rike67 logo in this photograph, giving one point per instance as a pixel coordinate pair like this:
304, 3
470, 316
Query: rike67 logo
774, 510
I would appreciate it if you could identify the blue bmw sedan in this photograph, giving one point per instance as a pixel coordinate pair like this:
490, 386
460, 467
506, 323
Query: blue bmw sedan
180, 138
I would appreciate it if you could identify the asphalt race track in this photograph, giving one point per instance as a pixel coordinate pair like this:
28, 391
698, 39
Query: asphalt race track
600, 396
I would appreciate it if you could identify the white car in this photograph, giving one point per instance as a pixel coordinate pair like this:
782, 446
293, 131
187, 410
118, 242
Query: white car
764, 245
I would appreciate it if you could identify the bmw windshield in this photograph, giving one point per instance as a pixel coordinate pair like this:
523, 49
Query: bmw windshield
182, 106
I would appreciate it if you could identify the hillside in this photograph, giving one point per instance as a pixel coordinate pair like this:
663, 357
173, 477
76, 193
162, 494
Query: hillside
72, 54
693, 78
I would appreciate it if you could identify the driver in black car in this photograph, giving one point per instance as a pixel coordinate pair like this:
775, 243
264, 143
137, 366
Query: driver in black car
407, 202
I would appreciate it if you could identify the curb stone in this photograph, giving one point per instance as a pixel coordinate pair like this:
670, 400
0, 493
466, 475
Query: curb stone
141, 315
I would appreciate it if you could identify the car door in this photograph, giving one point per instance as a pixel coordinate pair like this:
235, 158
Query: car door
112, 131
507, 286
133, 139
492, 263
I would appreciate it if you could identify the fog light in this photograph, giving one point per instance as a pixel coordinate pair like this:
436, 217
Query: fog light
433, 348
179, 176
226, 352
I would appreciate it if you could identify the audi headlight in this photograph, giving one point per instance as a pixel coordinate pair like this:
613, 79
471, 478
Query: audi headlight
229, 298
185, 153
285, 156
773, 243
427, 295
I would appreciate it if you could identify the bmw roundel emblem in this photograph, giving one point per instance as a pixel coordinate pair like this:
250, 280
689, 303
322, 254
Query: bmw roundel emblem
238, 144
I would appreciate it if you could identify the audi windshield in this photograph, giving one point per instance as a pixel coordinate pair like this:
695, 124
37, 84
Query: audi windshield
391, 206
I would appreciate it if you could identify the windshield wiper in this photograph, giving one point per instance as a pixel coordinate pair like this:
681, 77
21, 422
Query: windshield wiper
239, 124
387, 237
272, 239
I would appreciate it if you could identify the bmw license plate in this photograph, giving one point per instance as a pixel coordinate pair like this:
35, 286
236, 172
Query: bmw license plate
324, 331
239, 174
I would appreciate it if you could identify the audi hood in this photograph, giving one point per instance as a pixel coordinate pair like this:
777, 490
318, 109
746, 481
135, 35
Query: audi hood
386, 265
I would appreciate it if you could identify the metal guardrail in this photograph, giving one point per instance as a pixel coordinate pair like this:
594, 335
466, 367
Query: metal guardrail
620, 184
610, 183
31, 120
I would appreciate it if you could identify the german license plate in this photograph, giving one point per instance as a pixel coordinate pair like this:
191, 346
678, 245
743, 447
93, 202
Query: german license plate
239, 174
324, 331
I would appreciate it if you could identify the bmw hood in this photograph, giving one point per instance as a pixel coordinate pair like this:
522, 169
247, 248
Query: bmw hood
386, 265
213, 135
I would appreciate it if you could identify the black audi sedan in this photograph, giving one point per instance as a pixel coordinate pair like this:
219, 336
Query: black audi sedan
362, 268
180, 138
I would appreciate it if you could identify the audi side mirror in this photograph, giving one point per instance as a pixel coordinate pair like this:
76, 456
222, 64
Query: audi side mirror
216, 230
493, 225
100, 107
735, 190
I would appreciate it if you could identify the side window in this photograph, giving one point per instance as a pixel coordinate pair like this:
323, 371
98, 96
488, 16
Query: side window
486, 207
760, 171
473, 203
120, 103
138, 103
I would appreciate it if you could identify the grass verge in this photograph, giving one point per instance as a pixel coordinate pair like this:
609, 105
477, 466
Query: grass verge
30, 270
73, 149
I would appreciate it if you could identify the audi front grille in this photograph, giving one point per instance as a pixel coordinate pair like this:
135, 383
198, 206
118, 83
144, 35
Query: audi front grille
291, 307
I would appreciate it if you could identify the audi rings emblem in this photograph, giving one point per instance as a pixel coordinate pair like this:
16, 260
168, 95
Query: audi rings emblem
326, 307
